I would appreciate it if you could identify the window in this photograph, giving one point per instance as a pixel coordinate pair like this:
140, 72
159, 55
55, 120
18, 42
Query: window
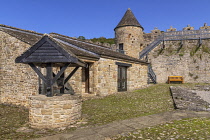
121, 50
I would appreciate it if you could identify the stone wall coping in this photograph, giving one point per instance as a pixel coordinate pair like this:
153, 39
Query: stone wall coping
55, 98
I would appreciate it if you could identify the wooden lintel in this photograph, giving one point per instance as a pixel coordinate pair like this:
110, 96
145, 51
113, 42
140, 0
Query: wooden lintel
70, 75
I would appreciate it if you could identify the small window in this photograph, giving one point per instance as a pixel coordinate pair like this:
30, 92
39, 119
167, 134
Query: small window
121, 46
121, 50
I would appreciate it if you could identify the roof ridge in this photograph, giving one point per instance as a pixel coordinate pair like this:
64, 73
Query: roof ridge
60, 35
128, 57
30, 31
74, 46
82, 41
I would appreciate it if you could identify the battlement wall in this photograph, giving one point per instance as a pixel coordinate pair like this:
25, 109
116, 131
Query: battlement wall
172, 33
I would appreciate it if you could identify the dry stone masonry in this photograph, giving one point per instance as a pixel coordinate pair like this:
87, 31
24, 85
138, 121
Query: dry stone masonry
54, 112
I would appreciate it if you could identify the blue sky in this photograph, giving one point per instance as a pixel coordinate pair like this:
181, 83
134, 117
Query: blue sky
98, 18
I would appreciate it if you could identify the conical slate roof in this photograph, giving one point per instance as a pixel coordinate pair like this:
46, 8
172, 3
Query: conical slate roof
129, 20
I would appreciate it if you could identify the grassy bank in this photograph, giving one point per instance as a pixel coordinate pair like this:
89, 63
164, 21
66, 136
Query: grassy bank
152, 100
12, 118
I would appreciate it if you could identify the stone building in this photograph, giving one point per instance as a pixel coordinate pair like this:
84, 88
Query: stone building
106, 72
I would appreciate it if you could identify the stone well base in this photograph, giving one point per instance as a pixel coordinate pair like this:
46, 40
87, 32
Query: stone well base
54, 112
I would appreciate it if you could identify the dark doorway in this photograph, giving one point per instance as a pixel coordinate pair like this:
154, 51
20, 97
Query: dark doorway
122, 78
87, 80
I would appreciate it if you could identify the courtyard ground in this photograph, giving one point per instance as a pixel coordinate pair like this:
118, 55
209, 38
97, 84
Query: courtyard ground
155, 99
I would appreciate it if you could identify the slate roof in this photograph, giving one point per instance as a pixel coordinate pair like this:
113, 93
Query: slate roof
79, 48
129, 20
94, 48
27, 36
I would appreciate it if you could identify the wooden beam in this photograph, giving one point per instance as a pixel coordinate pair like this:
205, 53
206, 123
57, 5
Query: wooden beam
38, 72
70, 75
60, 73
62, 89
49, 78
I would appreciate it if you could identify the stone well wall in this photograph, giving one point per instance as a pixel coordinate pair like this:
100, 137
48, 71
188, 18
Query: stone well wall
54, 112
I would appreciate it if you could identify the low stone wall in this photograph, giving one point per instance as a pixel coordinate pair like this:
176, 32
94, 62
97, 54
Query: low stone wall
185, 99
54, 112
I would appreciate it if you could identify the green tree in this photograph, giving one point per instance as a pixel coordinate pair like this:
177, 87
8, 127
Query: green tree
81, 37
103, 40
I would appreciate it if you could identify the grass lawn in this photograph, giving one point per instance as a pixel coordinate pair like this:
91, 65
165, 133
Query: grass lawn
151, 100
12, 118
192, 129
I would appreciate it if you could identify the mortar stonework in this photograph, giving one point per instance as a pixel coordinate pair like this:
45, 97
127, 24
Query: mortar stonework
106, 77
103, 77
132, 39
18, 81
54, 112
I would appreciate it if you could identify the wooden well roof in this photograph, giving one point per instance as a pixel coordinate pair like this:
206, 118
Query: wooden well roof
48, 50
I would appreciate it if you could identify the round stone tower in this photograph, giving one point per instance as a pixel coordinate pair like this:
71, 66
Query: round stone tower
129, 35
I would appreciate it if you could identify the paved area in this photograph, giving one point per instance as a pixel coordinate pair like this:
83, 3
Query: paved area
103, 132
205, 95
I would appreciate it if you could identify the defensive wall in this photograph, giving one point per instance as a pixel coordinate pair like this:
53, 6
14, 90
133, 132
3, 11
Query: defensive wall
181, 53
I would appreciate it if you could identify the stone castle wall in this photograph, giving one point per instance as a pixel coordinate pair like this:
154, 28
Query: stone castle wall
189, 60
18, 81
